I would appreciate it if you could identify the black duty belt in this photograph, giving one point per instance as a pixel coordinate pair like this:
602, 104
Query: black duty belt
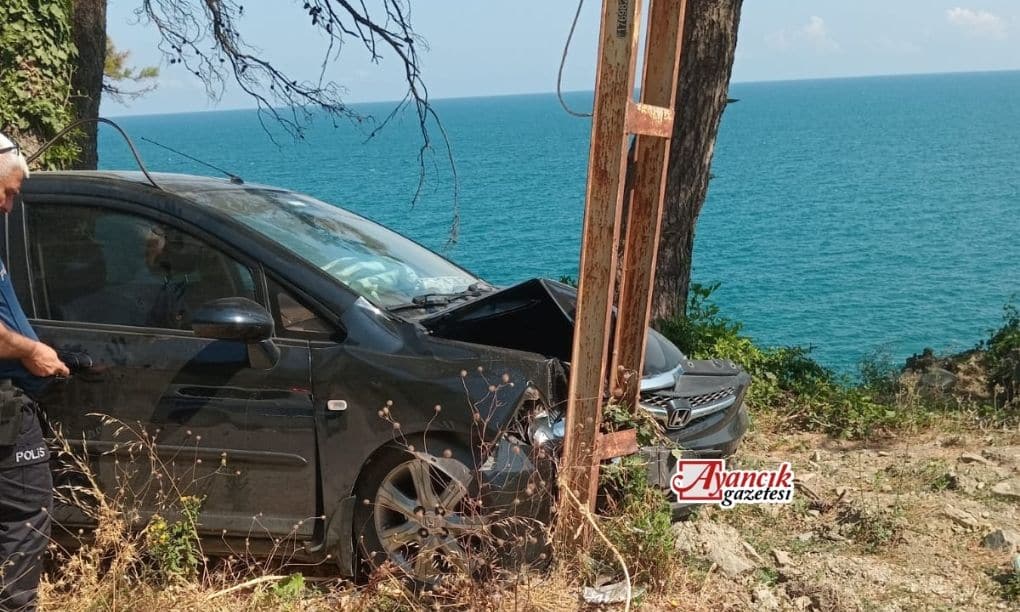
12, 404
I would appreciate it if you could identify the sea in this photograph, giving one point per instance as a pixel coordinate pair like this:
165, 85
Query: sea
864, 218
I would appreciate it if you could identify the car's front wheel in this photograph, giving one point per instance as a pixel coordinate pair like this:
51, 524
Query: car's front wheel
419, 513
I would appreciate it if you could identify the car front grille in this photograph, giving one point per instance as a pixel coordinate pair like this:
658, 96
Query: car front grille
659, 403
710, 398
661, 400
656, 400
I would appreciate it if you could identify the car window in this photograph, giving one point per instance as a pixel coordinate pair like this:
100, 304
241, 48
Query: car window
293, 316
98, 265
377, 263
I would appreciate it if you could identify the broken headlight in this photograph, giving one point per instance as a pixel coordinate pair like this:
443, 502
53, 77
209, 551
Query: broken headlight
545, 426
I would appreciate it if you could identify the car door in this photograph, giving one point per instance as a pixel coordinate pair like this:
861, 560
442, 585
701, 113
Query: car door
163, 413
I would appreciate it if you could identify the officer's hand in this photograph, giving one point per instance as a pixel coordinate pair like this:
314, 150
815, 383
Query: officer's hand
43, 361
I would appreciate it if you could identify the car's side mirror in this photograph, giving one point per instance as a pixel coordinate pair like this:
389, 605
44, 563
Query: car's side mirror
240, 320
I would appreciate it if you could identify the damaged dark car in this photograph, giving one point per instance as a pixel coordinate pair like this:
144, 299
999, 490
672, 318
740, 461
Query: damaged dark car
317, 380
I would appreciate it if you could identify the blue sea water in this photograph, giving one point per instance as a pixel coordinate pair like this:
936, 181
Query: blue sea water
852, 215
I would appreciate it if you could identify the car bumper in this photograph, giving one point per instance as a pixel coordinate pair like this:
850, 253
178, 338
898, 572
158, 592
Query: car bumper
717, 437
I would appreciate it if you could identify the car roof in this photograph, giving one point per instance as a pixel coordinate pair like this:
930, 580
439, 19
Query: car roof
179, 184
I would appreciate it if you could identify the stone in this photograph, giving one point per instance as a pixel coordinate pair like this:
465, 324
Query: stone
802, 603
961, 517
1003, 539
1008, 488
884, 453
1005, 454
834, 535
936, 381
973, 458
719, 544
765, 600
782, 558
807, 536
965, 483
751, 551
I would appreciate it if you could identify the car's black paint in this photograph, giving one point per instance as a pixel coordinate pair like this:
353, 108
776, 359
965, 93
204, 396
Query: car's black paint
262, 446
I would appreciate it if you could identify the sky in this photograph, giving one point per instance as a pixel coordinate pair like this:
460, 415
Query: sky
486, 48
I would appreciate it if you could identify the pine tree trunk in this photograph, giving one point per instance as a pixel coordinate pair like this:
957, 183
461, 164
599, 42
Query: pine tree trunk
709, 43
88, 24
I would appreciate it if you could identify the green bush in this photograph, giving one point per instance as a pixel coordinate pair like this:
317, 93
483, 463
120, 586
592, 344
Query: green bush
36, 58
777, 371
174, 546
638, 521
1002, 355
786, 380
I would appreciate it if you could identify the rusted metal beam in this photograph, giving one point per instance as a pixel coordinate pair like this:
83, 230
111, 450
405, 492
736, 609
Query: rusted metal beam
614, 85
617, 444
648, 120
644, 219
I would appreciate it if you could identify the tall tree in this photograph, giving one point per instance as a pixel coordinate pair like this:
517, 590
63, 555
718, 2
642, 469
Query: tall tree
706, 62
123, 82
88, 28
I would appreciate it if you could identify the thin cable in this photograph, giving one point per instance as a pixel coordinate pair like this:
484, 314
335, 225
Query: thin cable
233, 177
127, 139
563, 60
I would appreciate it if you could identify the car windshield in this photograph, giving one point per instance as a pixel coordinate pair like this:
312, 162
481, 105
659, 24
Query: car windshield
378, 263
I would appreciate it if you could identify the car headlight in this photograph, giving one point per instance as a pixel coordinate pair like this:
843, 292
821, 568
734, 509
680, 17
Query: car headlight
545, 430
545, 426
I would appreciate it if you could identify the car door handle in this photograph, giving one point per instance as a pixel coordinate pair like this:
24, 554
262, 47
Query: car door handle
76, 361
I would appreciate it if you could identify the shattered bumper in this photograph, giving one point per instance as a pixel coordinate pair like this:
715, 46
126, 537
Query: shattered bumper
708, 399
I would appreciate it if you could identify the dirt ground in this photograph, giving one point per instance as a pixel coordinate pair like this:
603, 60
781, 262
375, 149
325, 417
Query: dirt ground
893, 525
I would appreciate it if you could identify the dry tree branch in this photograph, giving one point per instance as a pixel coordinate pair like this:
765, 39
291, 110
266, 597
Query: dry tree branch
205, 37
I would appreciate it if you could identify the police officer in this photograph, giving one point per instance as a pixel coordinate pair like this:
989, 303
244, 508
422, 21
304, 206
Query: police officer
26, 486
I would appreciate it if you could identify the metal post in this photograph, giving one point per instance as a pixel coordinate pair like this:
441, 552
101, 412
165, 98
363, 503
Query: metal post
644, 218
606, 167
614, 118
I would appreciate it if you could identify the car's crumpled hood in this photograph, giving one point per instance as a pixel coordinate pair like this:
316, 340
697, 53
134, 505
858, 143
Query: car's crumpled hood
537, 316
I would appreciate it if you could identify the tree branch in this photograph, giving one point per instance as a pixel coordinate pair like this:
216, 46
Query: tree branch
204, 37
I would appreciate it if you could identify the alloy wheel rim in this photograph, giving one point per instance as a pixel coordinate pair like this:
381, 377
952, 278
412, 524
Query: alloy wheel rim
425, 522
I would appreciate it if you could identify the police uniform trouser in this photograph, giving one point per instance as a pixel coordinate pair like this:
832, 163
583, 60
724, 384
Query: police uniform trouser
26, 502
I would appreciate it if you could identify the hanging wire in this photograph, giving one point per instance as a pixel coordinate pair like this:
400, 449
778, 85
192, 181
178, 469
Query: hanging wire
563, 61
127, 139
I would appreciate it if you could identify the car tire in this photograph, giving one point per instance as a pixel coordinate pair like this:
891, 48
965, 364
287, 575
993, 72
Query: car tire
414, 516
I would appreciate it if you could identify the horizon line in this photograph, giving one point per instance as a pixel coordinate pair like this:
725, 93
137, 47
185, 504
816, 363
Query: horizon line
575, 91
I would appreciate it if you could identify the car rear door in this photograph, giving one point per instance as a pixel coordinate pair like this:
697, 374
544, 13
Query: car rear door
163, 413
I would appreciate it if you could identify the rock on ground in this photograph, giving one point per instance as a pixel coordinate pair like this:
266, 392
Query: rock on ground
1003, 539
721, 544
1008, 488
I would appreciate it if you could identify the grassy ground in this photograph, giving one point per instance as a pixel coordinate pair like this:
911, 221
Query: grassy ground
897, 474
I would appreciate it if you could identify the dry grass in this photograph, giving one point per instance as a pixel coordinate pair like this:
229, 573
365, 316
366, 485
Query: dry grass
869, 503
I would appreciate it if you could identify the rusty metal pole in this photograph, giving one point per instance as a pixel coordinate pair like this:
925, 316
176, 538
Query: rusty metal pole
614, 85
616, 116
644, 218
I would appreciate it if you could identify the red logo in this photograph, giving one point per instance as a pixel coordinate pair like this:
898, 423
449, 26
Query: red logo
707, 481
